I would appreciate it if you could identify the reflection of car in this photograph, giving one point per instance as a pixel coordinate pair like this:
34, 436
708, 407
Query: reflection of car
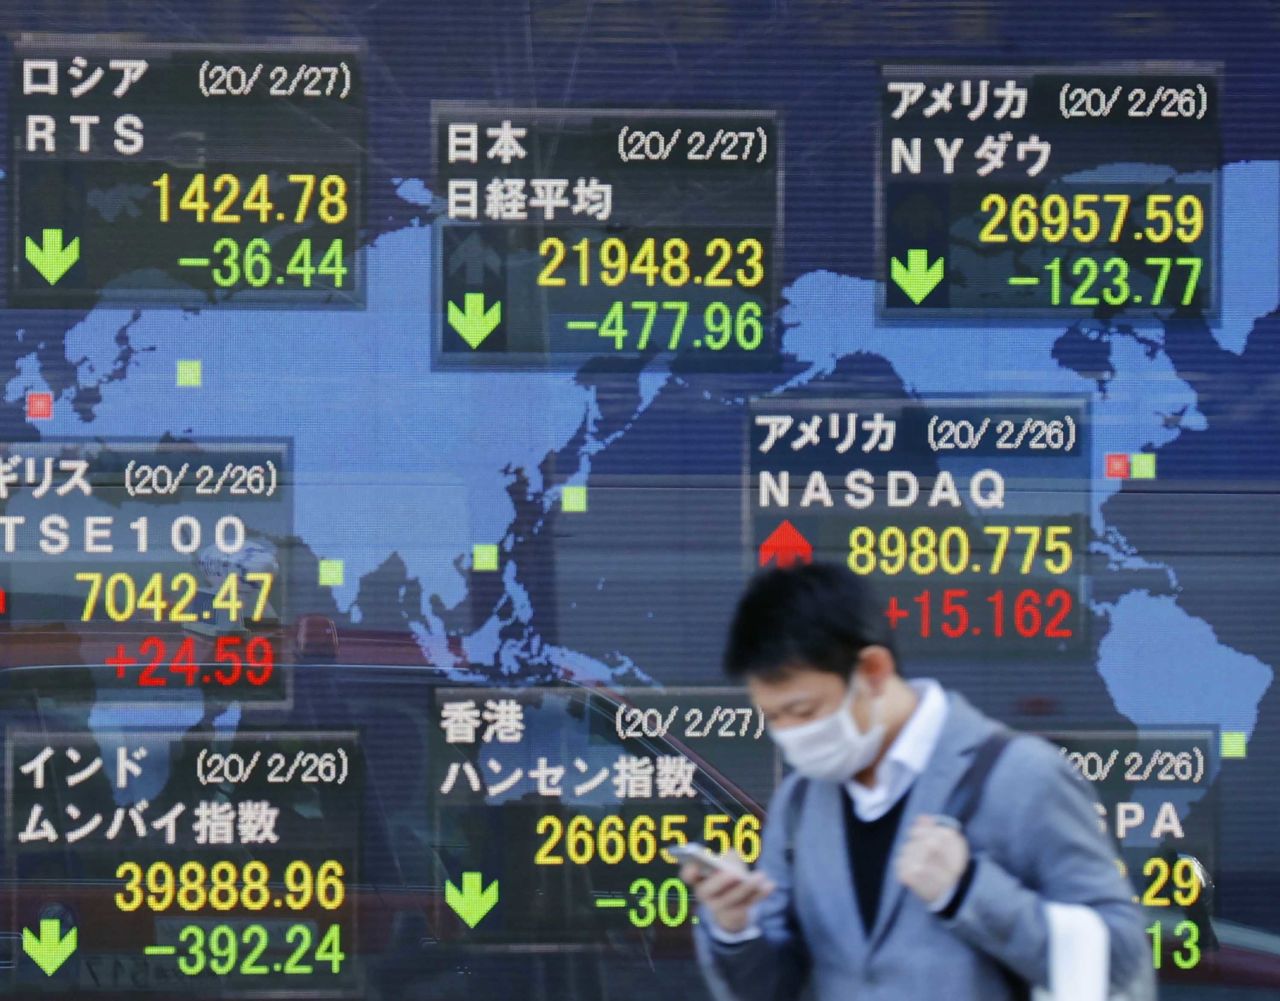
316, 636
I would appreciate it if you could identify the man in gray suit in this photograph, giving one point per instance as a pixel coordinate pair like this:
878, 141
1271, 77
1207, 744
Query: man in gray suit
865, 890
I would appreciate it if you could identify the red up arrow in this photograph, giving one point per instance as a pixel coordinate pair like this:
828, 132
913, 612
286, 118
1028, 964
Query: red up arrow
785, 545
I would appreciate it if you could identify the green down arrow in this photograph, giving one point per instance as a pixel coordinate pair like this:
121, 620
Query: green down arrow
50, 257
52, 948
474, 900
917, 277
474, 323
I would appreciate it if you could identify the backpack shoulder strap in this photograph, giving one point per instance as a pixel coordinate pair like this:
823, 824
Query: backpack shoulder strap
966, 797
963, 803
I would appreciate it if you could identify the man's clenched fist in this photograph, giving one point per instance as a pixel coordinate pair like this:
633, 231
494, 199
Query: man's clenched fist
932, 860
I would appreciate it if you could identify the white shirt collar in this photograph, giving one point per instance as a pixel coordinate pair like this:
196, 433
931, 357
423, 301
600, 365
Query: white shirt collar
907, 755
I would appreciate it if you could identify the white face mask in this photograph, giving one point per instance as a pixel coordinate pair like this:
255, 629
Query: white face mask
831, 748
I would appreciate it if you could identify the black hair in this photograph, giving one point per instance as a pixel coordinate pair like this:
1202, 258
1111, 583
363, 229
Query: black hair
819, 615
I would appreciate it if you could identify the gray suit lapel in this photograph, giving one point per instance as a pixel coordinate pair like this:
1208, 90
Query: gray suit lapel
830, 877
961, 733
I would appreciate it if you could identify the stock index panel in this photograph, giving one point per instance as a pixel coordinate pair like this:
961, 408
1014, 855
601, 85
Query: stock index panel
395, 398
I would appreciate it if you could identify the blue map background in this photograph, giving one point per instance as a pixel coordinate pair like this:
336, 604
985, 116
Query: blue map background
405, 468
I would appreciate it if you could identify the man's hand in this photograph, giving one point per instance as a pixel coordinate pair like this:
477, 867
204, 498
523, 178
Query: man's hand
932, 860
729, 896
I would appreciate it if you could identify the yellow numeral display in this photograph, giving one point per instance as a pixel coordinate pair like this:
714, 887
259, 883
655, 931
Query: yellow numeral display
225, 886
1084, 217
925, 550
673, 263
168, 599
226, 199
581, 840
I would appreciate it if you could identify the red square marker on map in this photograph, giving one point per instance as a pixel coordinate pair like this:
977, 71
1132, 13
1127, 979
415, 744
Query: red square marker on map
1117, 465
39, 406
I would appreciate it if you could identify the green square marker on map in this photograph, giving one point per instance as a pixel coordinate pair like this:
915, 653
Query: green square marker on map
484, 556
1142, 466
189, 373
573, 499
1233, 744
331, 573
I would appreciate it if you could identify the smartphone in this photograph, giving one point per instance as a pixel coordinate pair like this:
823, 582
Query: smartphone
708, 861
